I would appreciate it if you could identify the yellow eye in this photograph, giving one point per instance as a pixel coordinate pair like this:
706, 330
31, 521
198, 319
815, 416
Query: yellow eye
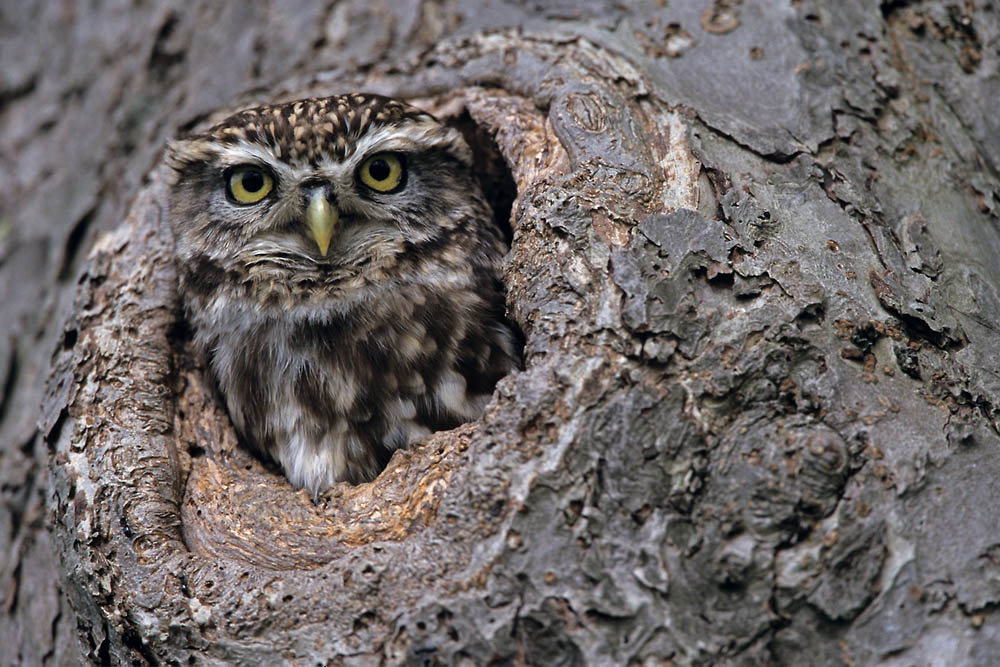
383, 172
248, 185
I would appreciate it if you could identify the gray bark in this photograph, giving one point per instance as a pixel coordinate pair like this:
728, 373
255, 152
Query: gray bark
755, 259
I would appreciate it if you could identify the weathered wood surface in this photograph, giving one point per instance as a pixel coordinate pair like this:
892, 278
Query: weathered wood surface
755, 259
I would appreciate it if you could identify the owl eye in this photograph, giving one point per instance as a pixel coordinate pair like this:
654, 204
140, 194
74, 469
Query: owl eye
248, 185
383, 172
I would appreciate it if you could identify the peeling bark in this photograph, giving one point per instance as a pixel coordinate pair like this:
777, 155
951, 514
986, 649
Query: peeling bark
754, 258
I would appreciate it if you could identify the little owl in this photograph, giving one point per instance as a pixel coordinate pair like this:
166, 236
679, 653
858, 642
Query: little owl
341, 270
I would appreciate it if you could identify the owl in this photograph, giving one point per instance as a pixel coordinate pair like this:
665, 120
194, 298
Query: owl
340, 269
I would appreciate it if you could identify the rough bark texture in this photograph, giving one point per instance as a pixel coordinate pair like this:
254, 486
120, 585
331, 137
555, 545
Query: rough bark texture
755, 256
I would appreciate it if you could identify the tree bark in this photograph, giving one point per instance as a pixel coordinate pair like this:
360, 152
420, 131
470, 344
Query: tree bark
754, 257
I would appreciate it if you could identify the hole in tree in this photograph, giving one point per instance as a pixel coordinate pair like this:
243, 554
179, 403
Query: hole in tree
70, 337
491, 168
500, 191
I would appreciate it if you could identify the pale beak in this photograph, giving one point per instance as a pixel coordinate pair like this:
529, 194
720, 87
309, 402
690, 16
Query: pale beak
321, 219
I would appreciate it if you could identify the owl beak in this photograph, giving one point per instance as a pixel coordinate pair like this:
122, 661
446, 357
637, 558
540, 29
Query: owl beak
321, 219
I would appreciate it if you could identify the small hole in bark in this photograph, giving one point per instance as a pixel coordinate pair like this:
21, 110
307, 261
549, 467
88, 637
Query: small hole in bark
104, 652
7, 391
74, 243
195, 451
730, 586
491, 168
132, 640
70, 338
640, 515
364, 621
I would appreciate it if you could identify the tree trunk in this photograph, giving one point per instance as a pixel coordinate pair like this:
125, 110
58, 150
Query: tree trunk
755, 258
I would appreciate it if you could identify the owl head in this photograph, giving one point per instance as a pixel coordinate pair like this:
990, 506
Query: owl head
319, 188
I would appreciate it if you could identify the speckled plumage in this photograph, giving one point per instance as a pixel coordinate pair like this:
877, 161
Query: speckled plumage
328, 362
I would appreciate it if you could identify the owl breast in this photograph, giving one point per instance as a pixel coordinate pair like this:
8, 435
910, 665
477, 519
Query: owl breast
330, 392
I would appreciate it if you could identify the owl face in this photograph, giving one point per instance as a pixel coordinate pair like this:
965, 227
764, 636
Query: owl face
319, 189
